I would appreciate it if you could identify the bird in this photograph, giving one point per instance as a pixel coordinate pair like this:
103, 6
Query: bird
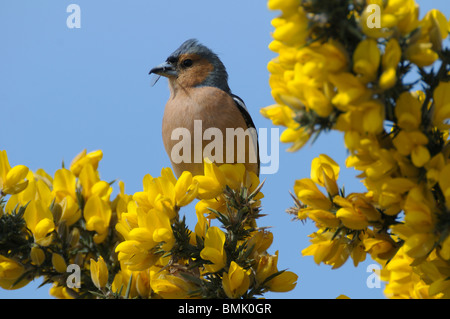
201, 106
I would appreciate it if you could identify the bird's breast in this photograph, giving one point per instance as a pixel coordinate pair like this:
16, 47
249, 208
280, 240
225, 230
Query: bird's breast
195, 122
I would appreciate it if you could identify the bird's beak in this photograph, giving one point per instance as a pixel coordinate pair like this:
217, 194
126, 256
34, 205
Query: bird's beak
165, 69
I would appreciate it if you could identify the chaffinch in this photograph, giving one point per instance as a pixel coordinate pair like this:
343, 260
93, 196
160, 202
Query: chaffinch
200, 107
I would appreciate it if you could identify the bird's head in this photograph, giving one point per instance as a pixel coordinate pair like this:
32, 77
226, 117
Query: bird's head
193, 65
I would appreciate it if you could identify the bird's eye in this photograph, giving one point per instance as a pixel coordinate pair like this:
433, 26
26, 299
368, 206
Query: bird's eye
187, 63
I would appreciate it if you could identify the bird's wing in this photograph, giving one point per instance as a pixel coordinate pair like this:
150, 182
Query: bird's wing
248, 120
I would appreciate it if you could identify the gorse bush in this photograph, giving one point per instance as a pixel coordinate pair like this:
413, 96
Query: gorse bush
376, 72
135, 245
67, 229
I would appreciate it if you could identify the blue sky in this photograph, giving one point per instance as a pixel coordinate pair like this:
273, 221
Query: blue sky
63, 90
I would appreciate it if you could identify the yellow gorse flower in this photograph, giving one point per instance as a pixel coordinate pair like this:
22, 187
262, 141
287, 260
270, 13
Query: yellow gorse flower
441, 98
267, 267
154, 228
11, 179
60, 292
83, 158
99, 272
10, 272
37, 255
214, 249
170, 286
308, 192
390, 60
97, 214
366, 60
91, 183
325, 172
39, 220
59, 263
236, 281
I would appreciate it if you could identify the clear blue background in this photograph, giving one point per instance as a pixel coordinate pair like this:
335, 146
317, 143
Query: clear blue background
63, 90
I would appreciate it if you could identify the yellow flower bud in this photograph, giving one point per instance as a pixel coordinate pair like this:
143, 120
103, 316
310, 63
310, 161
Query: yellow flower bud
10, 271
351, 218
4, 167
392, 55
99, 272
366, 60
211, 183
260, 241
59, 264
64, 184
379, 248
267, 266
350, 90
74, 237
420, 155
358, 254
413, 143
325, 172
390, 61
408, 111
214, 249
82, 159
298, 136
15, 175
361, 203
292, 30
323, 248
352, 139
308, 193
37, 255
169, 286
97, 214
388, 79
143, 284
60, 292
278, 114
436, 26
185, 189
324, 218
70, 211
284, 282
441, 99
14, 183
318, 102
421, 54
236, 281
39, 220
